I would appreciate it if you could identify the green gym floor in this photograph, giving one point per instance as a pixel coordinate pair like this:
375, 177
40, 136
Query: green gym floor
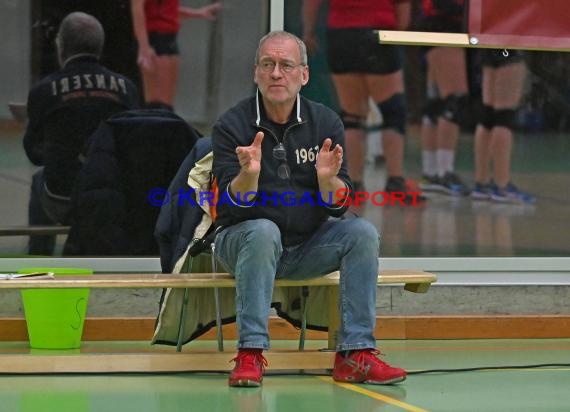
508, 389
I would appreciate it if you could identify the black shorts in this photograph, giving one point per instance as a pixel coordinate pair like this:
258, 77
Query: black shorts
440, 24
496, 57
164, 44
358, 51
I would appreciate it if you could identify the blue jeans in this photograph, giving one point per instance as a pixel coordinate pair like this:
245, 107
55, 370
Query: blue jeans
252, 252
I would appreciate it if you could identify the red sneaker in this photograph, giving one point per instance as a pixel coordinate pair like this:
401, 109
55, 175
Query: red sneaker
363, 366
249, 368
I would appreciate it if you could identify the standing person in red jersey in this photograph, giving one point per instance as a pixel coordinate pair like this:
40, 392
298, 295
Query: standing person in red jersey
156, 24
447, 98
362, 68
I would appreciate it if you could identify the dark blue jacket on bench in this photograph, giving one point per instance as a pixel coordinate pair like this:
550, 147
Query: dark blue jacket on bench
114, 208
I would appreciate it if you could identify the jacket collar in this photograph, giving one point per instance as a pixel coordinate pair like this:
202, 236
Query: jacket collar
81, 57
258, 111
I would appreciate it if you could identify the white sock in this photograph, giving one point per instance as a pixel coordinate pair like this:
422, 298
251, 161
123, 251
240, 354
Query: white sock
445, 161
429, 162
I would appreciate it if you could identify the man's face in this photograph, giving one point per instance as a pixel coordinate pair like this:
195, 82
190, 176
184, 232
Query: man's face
279, 74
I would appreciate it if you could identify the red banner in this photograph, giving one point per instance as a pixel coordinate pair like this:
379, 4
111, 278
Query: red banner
527, 24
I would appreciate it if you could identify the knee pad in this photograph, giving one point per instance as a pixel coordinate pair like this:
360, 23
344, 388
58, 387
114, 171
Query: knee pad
394, 113
432, 110
487, 119
352, 121
454, 107
505, 118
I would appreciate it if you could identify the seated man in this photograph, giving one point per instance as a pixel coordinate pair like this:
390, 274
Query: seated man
63, 110
278, 161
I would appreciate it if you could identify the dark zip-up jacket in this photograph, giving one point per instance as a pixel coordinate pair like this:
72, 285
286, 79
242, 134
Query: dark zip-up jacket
130, 155
294, 204
64, 109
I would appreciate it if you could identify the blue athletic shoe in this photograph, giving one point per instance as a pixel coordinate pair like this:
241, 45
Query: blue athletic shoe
482, 191
452, 185
511, 194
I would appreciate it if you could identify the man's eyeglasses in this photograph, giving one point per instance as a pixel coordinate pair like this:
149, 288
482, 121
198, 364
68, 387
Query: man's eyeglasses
268, 66
280, 153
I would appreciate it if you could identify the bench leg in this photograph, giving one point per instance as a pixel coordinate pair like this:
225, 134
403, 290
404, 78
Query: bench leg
304, 294
334, 316
186, 268
219, 333
183, 313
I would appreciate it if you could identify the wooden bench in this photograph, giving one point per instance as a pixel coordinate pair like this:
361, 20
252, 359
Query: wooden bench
158, 360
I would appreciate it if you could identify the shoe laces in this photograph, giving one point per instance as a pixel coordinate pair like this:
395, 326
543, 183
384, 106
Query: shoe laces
250, 358
362, 360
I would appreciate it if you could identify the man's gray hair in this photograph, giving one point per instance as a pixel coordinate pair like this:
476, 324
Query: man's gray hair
79, 33
283, 34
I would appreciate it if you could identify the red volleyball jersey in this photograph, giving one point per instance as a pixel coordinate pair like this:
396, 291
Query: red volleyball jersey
162, 16
344, 14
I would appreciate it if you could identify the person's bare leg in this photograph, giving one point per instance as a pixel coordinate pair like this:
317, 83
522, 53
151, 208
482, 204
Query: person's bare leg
501, 148
355, 150
482, 154
428, 136
483, 135
450, 75
393, 145
353, 99
428, 131
508, 88
160, 82
382, 87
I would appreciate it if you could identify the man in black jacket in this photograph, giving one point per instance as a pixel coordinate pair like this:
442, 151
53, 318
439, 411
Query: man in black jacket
63, 110
278, 161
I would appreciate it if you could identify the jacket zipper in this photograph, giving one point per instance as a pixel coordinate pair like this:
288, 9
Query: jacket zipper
287, 214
